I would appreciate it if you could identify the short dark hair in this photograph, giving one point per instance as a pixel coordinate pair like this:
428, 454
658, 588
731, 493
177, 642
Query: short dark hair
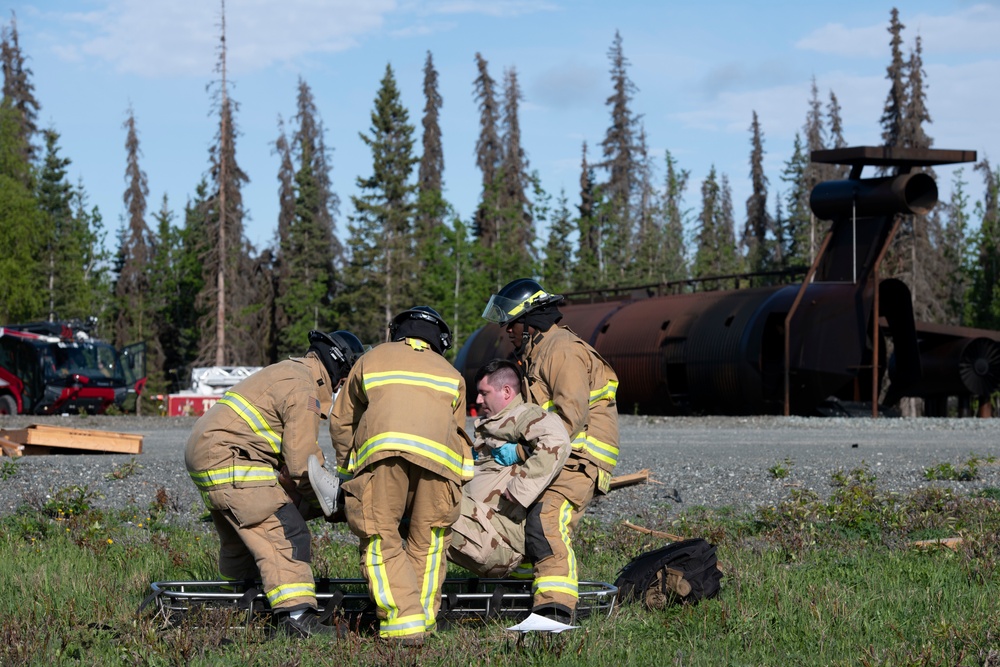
500, 372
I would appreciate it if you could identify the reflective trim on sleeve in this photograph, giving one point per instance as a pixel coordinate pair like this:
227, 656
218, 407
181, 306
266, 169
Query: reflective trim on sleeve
608, 391
414, 444
601, 451
253, 418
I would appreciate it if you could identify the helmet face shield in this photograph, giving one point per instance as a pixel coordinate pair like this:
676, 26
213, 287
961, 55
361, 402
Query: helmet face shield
504, 310
499, 308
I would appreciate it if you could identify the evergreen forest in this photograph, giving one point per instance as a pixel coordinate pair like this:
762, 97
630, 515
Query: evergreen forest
189, 283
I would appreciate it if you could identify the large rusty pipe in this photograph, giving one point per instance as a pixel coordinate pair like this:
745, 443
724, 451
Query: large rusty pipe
874, 197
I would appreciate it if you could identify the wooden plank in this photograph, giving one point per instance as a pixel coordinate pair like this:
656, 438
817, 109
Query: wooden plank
654, 533
640, 477
41, 435
951, 542
10, 448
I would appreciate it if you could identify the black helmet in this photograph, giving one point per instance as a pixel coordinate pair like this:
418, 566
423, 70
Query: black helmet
410, 322
338, 351
516, 299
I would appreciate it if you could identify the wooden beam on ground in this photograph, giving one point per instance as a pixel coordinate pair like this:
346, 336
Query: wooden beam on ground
10, 448
951, 542
640, 477
654, 533
44, 439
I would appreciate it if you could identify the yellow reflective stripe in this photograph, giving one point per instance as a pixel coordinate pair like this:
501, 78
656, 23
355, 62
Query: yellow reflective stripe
208, 479
284, 592
601, 451
403, 626
555, 585
253, 418
562, 584
414, 444
352, 465
436, 382
524, 304
523, 571
549, 406
379, 578
433, 563
608, 391
565, 518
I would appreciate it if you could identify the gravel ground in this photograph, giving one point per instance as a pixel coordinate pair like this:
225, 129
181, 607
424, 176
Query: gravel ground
708, 461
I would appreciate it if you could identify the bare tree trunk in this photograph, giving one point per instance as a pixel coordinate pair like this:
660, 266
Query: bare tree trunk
220, 328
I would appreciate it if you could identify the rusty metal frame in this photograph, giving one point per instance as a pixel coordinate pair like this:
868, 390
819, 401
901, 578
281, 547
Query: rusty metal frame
791, 313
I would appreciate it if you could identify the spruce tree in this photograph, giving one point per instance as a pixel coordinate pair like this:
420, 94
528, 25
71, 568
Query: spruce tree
18, 90
621, 153
135, 317
647, 244
815, 140
674, 253
956, 252
758, 221
286, 217
835, 133
430, 174
706, 258
21, 244
982, 304
305, 265
489, 154
516, 232
896, 101
797, 248
588, 267
557, 266
380, 275
226, 335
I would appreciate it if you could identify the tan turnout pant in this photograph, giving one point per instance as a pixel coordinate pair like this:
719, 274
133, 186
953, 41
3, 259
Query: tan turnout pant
548, 536
277, 548
405, 583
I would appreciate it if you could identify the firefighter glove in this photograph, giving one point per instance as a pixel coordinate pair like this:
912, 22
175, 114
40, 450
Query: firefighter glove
506, 454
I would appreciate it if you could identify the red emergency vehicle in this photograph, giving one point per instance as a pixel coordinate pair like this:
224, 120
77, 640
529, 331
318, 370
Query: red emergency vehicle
57, 367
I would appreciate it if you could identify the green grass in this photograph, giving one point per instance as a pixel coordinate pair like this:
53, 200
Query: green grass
808, 582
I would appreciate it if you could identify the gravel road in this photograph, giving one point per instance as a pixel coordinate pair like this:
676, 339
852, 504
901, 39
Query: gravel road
706, 461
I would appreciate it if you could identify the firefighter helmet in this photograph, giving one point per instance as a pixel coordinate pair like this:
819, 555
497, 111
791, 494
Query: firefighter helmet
516, 299
338, 350
416, 316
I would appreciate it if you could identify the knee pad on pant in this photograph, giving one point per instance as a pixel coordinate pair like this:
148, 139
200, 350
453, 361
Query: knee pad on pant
296, 532
536, 545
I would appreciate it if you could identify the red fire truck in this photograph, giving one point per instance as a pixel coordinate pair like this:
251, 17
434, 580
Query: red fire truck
57, 367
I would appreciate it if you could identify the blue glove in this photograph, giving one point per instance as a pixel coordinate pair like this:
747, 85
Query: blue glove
506, 454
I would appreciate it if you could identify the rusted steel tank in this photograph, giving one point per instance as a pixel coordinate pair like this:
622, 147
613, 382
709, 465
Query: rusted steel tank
734, 352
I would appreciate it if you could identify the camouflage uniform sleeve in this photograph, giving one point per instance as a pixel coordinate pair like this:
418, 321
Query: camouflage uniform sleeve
549, 447
347, 409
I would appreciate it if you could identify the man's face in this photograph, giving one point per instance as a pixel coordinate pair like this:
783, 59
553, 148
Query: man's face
515, 332
490, 399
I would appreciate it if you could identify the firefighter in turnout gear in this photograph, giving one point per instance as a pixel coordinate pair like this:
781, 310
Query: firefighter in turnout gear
488, 538
398, 428
248, 457
564, 375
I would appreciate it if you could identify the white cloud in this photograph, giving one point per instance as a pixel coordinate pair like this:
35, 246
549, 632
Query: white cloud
180, 37
971, 30
495, 8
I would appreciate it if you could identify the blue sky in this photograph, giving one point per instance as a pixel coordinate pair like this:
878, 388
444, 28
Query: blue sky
701, 69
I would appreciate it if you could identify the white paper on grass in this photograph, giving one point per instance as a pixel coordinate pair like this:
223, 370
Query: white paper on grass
541, 624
